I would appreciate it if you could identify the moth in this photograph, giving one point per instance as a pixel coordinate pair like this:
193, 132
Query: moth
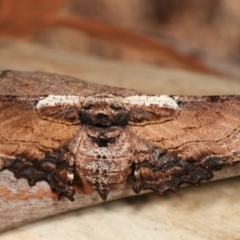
104, 139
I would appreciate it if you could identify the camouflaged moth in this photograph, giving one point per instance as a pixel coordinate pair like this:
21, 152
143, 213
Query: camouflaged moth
102, 139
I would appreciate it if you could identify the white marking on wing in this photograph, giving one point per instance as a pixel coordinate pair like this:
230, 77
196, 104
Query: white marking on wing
54, 100
161, 101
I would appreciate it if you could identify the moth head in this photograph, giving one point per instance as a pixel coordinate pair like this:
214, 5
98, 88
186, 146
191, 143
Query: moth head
104, 112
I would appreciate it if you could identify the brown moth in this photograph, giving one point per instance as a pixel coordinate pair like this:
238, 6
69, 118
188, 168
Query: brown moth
102, 139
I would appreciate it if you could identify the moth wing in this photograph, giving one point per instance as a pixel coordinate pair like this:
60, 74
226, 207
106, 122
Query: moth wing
185, 141
34, 138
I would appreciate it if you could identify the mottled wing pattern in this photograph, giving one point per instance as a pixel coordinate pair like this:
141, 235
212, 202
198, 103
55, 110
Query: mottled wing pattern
174, 140
185, 143
34, 141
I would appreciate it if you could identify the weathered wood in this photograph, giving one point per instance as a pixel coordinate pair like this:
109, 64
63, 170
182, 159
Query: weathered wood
20, 203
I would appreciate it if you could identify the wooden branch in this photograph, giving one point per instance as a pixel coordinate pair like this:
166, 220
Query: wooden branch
20, 203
